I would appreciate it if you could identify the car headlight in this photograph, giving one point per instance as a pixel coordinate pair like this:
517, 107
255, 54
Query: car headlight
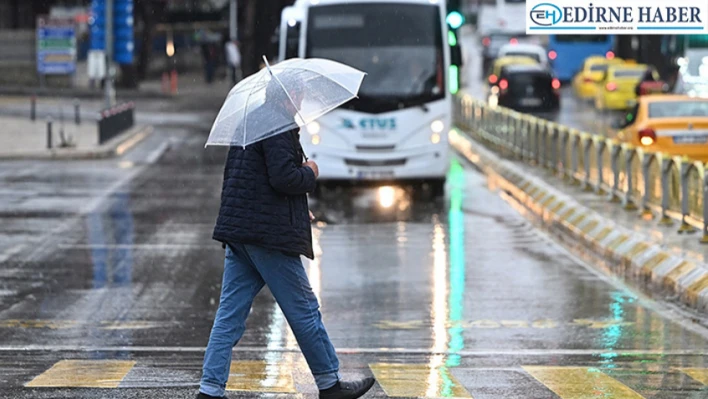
313, 128
315, 139
435, 138
437, 126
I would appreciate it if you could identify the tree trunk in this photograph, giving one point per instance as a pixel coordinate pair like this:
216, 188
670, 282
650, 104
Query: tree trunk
145, 12
249, 62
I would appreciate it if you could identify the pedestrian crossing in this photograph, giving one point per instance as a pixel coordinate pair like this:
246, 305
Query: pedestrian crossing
427, 380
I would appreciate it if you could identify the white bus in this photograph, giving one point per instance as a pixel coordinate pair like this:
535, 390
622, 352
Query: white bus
397, 129
289, 41
501, 17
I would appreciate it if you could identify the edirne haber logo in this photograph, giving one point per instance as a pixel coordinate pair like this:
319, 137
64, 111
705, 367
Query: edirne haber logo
617, 17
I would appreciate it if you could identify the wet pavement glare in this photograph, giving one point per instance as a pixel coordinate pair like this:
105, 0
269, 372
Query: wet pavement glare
110, 282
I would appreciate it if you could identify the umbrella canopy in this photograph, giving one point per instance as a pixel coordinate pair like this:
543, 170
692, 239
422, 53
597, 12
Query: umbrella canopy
282, 97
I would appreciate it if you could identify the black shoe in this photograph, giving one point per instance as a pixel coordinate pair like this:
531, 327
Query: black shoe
348, 389
205, 396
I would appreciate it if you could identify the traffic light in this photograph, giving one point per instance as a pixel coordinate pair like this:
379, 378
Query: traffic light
454, 18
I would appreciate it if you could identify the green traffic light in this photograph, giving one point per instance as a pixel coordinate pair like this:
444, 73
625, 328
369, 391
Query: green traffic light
455, 19
451, 38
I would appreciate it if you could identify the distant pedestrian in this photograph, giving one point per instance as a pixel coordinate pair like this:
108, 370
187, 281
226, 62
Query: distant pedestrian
233, 60
210, 56
264, 224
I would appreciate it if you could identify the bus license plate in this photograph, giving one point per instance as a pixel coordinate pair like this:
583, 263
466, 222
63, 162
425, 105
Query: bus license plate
691, 139
530, 102
375, 174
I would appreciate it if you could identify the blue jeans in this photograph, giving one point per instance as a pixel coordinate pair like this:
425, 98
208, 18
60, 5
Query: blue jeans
247, 269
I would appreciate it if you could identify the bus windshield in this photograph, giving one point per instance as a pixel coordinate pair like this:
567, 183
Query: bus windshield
581, 38
399, 46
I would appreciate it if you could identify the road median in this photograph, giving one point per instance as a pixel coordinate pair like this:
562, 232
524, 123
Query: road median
617, 249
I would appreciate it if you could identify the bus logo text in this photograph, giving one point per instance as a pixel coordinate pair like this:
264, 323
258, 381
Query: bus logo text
370, 124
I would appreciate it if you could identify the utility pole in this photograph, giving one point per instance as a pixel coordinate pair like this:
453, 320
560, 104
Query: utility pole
110, 91
233, 20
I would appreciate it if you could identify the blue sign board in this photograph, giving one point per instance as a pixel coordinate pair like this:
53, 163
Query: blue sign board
56, 46
123, 40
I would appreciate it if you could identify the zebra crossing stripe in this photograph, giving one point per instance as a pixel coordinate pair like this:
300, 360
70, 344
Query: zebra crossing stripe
260, 376
418, 380
581, 383
83, 374
698, 374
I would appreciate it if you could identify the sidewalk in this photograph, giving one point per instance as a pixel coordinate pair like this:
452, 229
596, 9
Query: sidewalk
622, 243
21, 138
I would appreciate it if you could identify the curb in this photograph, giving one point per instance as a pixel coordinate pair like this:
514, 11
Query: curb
81, 93
617, 250
114, 147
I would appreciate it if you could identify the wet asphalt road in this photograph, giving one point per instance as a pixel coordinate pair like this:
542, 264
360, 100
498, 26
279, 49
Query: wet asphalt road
110, 279
109, 282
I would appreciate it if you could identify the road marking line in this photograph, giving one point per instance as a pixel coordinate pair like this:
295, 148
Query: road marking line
349, 351
581, 383
259, 376
83, 374
418, 380
138, 246
698, 374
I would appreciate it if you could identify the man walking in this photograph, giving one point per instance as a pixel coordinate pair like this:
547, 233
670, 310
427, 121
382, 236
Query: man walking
264, 224
233, 59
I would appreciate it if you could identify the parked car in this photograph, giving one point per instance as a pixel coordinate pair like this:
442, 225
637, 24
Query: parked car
586, 81
672, 124
618, 89
528, 88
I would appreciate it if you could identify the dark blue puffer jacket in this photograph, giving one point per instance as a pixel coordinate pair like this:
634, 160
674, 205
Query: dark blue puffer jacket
263, 198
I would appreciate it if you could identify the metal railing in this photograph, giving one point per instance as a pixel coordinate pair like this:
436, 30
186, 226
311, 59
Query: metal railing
674, 187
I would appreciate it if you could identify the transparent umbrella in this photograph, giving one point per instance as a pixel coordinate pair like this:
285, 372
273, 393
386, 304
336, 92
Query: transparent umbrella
282, 97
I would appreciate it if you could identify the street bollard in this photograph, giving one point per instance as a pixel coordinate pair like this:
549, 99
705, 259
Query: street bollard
629, 157
77, 111
686, 167
574, 158
33, 108
704, 239
49, 133
563, 164
614, 163
599, 151
665, 191
553, 164
646, 165
587, 153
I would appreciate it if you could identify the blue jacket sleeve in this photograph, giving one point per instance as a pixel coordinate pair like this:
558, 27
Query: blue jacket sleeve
284, 175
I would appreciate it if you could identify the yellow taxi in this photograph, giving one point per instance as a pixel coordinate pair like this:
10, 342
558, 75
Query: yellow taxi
594, 67
501, 62
617, 90
672, 124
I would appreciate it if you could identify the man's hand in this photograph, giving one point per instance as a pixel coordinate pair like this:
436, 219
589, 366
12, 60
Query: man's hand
312, 165
312, 217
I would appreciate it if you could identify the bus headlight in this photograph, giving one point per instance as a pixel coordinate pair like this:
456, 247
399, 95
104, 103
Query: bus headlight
437, 126
435, 138
315, 139
313, 128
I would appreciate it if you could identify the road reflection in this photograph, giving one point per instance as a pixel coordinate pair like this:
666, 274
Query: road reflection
110, 236
382, 204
